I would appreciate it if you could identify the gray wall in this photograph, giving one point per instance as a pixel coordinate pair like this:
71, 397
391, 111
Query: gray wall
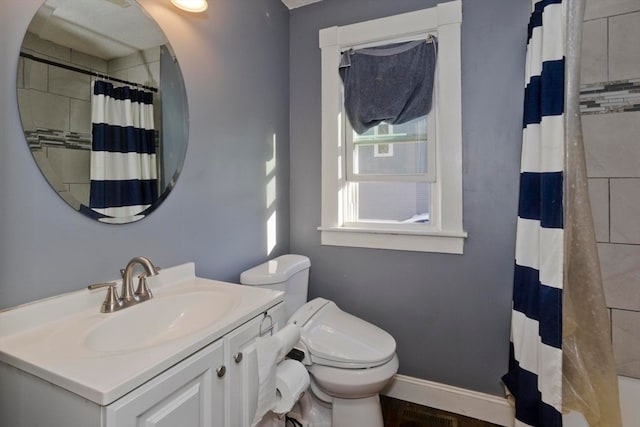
449, 313
234, 59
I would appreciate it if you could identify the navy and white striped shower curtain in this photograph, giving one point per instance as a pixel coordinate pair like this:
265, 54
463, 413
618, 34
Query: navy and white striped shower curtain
535, 364
124, 178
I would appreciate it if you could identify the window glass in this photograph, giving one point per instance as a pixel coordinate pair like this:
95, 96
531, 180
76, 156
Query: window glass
390, 150
396, 202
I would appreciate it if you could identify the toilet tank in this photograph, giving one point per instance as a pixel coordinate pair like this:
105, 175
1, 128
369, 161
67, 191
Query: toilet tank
288, 273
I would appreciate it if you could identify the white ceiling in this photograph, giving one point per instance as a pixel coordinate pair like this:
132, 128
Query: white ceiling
292, 4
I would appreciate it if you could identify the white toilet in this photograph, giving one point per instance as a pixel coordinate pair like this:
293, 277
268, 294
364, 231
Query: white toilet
349, 360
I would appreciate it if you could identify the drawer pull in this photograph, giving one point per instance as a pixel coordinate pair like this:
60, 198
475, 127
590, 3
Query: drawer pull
237, 357
221, 371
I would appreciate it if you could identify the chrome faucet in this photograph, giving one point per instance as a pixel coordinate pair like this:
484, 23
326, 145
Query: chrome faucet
113, 302
142, 293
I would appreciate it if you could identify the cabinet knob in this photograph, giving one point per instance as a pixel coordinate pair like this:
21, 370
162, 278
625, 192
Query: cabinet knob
237, 357
221, 371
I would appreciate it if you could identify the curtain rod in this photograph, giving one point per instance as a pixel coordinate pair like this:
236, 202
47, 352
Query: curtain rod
429, 39
82, 71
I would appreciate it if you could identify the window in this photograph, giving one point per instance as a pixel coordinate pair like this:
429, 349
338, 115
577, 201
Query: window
414, 158
395, 186
389, 170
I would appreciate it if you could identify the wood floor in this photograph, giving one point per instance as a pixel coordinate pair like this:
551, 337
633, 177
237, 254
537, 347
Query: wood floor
398, 413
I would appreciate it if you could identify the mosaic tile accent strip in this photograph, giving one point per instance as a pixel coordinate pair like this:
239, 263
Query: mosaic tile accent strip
610, 97
35, 139
75, 140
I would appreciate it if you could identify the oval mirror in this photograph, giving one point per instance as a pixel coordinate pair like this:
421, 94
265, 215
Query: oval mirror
103, 106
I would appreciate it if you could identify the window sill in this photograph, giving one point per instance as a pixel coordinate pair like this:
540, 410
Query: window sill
449, 242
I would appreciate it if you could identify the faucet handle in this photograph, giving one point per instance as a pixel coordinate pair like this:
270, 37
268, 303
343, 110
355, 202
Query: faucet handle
143, 292
111, 302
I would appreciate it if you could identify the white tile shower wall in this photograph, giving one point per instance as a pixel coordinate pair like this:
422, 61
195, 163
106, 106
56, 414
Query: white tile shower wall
605, 8
611, 144
626, 341
599, 195
624, 49
620, 274
625, 210
594, 51
610, 99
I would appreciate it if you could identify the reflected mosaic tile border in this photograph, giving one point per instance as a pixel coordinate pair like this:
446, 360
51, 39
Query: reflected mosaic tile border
610, 97
35, 139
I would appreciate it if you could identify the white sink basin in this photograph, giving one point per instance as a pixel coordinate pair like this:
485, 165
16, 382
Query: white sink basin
66, 341
159, 320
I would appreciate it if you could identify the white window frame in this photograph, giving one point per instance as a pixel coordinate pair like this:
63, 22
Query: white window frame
444, 233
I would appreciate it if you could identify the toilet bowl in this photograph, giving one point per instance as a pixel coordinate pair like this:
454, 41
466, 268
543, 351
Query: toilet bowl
353, 383
349, 360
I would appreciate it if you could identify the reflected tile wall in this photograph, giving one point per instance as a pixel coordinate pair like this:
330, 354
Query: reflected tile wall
56, 108
610, 104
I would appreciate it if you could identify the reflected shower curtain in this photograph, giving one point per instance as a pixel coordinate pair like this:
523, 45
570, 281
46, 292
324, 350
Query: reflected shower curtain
124, 179
557, 294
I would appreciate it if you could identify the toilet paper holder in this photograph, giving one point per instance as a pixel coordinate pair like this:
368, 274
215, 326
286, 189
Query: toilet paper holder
268, 329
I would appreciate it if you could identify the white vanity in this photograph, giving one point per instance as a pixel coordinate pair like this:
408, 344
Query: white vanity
185, 358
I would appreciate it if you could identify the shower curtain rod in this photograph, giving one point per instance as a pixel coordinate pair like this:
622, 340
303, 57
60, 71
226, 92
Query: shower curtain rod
82, 71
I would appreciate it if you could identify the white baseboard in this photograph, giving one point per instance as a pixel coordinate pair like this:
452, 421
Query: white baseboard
486, 407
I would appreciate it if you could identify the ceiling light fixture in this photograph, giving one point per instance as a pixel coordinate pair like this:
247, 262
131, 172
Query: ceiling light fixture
195, 6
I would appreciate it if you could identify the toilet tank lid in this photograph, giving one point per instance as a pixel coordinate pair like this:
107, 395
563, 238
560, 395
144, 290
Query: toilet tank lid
277, 270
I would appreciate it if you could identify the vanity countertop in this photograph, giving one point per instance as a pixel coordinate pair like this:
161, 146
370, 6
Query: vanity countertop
66, 341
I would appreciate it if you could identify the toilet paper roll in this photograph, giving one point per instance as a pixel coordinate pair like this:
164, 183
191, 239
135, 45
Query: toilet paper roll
286, 337
269, 351
292, 379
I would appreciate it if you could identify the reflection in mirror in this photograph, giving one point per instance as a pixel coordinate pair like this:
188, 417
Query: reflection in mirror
103, 106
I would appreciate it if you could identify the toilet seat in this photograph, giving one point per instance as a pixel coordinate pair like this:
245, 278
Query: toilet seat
337, 339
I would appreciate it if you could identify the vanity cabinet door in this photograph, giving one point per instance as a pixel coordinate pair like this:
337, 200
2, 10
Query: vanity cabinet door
191, 394
241, 362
